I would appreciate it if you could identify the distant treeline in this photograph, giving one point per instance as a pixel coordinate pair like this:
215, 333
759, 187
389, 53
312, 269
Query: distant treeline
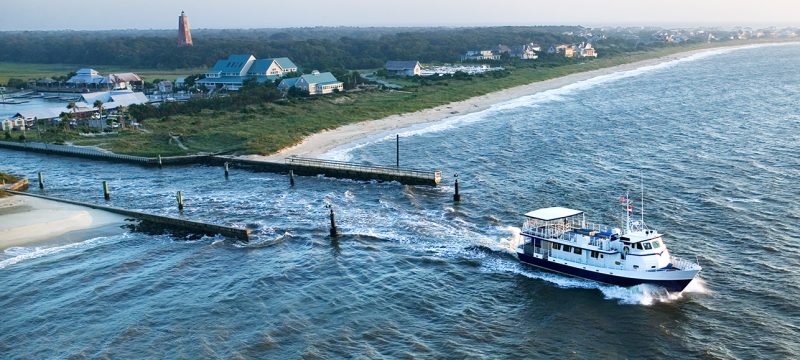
317, 48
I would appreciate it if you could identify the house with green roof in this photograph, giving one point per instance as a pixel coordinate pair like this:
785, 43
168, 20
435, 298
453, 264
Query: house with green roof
316, 83
232, 72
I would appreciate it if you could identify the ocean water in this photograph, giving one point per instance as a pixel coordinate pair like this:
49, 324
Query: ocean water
714, 138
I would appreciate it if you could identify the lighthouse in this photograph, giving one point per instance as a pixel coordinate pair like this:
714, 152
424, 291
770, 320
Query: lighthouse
184, 36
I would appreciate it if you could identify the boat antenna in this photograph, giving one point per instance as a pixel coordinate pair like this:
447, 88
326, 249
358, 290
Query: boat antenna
641, 182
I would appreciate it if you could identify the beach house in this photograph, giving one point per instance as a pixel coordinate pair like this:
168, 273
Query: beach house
403, 68
232, 72
316, 83
90, 78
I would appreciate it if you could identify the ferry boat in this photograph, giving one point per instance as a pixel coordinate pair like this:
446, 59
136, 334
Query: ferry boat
560, 240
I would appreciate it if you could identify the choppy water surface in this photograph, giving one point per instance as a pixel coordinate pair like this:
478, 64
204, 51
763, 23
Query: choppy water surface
715, 136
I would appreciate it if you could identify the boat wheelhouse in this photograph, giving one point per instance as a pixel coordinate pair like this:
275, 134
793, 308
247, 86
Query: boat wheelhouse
560, 240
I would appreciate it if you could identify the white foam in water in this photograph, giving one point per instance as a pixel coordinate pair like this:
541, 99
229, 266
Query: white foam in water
20, 254
343, 153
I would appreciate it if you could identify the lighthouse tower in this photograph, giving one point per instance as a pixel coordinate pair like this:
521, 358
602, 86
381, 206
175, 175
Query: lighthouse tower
184, 36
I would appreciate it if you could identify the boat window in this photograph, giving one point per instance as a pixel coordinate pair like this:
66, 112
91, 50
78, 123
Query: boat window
593, 254
577, 250
639, 246
647, 246
656, 244
567, 248
556, 246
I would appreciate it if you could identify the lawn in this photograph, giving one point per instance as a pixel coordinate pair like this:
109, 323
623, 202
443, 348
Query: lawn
38, 71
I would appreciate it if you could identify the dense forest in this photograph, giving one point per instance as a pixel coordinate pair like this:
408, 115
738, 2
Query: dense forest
320, 48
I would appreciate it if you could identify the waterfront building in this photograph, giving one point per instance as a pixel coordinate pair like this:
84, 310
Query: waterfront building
184, 35
526, 51
480, 55
165, 86
316, 83
90, 78
231, 73
588, 51
403, 68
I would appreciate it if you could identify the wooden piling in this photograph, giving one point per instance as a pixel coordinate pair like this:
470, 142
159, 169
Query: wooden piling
226, 170
291, 178
180, 201
160, 164
398, 149
41, 180
106, 194
456, 196
334, 231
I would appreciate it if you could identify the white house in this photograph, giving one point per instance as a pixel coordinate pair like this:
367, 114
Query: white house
316, 83
403, 68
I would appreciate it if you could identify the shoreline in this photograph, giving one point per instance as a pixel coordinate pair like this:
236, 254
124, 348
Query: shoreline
27, 221
324, 142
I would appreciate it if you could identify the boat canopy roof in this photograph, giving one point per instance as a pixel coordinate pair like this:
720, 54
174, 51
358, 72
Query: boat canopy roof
552, 213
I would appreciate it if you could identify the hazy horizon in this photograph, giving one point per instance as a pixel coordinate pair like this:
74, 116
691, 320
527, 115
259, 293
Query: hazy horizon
204, 14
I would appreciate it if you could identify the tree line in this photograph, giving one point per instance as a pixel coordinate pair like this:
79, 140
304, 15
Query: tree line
345, 48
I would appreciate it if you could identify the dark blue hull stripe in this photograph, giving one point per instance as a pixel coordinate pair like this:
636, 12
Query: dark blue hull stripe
670, 285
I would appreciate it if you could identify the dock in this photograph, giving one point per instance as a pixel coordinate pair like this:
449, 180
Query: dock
166, 221
299, 165
347, 170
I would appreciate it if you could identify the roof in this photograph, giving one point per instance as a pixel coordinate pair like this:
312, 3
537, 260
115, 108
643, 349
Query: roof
400, 65
260, 66
233, 64
285, 63
552, 213
42, 113
317, 78
288, 82
128, 77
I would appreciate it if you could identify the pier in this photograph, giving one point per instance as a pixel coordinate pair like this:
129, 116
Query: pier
297, 165
166, 221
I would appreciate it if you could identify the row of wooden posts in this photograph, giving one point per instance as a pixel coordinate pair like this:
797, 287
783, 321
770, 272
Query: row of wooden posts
179, 196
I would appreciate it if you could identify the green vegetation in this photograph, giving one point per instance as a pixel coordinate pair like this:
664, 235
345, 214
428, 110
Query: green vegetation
24, 71
266, 126
8, 178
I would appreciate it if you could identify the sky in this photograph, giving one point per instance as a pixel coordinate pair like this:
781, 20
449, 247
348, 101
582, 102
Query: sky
216, 14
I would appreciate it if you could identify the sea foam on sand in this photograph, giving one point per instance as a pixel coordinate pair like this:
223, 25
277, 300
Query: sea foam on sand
27, 220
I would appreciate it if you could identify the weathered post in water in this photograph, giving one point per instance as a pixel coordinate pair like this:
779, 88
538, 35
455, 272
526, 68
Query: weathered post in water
41, 180
456, 196
398, 149
106, 194
334, 231
226, 170
180, 201
160, 165
291, 178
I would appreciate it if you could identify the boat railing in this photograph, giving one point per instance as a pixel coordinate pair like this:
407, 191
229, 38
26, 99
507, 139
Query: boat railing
684, 264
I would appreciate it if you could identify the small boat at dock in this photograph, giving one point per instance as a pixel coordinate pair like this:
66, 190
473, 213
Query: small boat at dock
559, 239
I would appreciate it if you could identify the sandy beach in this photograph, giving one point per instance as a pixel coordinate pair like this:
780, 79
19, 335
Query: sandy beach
321, 143
27, 220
